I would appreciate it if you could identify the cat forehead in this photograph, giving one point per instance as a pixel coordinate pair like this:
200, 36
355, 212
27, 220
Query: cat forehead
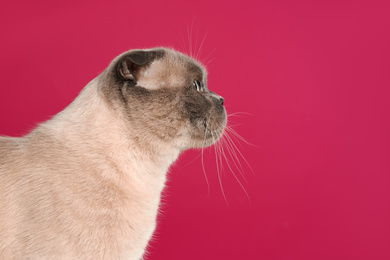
172, 70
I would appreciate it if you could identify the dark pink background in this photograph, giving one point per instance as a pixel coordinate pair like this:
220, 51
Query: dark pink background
313, 76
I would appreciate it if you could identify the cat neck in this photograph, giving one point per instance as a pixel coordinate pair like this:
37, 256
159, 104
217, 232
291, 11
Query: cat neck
92, 126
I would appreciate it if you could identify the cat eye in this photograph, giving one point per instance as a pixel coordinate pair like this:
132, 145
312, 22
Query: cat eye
198, 85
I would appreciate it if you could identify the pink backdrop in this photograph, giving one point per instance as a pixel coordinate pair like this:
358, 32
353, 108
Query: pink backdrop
312, 79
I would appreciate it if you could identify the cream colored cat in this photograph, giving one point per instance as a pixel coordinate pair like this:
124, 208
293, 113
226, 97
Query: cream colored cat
87, 183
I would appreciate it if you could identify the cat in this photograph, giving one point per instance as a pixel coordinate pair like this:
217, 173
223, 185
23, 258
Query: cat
87, 183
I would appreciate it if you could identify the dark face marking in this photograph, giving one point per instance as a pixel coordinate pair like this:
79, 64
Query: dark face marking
173, 110
206, 113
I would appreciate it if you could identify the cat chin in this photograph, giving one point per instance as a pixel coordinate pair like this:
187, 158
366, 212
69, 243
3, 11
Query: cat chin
206, 141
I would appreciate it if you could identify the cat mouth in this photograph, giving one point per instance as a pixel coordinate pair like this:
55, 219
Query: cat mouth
212, 131
205, 123
206, 130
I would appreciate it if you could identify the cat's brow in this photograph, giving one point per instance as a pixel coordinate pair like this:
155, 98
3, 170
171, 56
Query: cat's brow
195, 70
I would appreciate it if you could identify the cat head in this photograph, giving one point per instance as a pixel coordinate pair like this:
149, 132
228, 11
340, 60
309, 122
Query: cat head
164, 94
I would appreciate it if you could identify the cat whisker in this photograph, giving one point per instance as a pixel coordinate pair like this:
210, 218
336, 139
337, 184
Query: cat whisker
196, 44
239, 152
239, 114
231, 150
236, 124
193, 160
234, 156
218, 171
219, 154
237, 136
200, 47
207, 61
204, 171
235, 176
183, 44
189, 40
220, 148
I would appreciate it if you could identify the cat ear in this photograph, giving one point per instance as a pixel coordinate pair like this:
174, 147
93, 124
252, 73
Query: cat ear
139, 57
133, 61
129, 65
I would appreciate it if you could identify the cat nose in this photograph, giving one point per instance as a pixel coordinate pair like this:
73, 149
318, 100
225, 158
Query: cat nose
221, 100
218, 99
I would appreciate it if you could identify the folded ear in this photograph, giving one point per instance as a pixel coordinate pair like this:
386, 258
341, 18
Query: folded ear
130, 64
